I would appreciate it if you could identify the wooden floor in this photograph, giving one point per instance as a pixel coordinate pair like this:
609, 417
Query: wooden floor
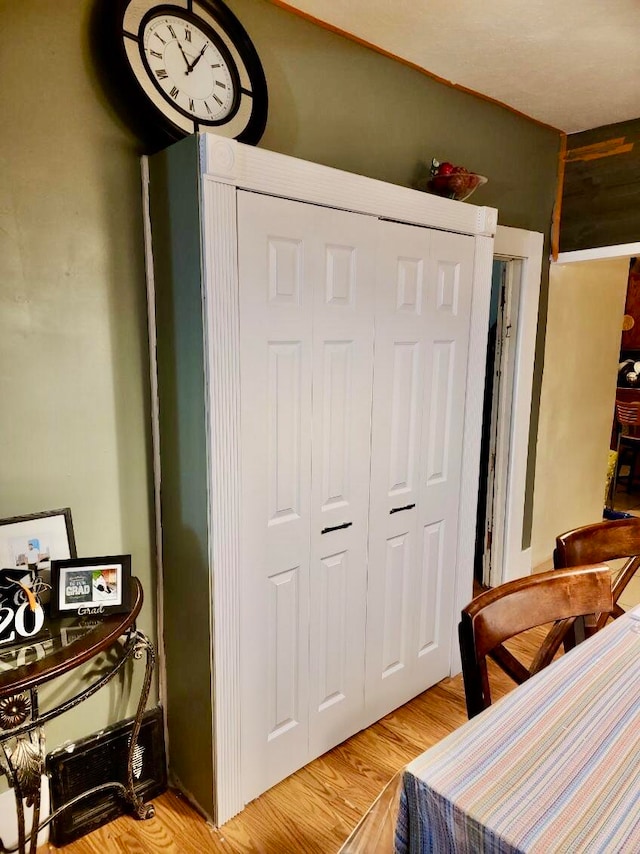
314, 810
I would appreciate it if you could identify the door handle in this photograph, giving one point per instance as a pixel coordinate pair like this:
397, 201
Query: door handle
399, 509
336, 527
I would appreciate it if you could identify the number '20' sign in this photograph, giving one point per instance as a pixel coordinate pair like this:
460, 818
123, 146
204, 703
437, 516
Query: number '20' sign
21, 622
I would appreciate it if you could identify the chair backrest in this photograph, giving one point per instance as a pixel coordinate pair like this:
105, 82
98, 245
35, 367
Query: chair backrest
557, 597
628, 413
602, 542
598, 543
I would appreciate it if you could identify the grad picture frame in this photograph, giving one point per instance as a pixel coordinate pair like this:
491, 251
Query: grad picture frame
91, 586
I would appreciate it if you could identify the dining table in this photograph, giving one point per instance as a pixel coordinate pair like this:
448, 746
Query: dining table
553, 767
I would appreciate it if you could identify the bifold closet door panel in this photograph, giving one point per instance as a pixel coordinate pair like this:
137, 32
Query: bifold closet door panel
305, 363
448, 319
424, 279
341, 457
276, 303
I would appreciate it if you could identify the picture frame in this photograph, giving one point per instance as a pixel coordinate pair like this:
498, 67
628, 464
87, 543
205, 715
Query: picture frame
49, 532
28, 544
90, 586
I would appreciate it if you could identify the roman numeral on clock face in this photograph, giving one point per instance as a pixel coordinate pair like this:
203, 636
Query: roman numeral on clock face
161, 74
156, 54
187, 35
174, 92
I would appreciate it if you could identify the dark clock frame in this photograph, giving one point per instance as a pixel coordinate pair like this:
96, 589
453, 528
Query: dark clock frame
127, 95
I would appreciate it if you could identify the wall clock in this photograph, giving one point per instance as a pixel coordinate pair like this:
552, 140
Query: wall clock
186, 66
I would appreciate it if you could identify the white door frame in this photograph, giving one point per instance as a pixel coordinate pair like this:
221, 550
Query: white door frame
516, 243
503, 374
620, 250
528, 246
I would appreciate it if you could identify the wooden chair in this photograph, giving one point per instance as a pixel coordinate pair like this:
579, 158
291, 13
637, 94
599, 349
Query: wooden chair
602, 542
557, 596
628, 446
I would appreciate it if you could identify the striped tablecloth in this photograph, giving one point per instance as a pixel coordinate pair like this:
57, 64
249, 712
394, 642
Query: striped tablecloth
553, 767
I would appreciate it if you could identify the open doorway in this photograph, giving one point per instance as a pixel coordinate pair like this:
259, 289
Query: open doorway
624, 458
496, 419
519, 256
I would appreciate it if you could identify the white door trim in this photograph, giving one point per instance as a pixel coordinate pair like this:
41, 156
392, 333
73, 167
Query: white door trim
526, 246
250, 168
226, 162
222, 373
620, 250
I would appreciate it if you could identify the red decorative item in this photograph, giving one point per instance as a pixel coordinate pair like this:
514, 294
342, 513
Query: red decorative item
453, 182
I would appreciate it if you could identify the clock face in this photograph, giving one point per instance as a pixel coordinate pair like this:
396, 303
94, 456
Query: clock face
177, 68
191, 67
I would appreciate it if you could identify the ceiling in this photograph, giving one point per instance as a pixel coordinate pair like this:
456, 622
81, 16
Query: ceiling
572, 64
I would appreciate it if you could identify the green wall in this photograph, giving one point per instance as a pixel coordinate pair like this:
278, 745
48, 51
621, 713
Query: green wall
74, 418
74, 424
336, 102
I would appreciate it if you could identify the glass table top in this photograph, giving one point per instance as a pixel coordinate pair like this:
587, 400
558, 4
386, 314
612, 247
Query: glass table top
64, 643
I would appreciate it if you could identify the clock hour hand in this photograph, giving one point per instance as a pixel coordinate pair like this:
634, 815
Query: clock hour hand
198, 57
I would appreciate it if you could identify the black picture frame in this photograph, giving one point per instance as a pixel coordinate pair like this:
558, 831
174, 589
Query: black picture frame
28, 545
58, 530
91, 586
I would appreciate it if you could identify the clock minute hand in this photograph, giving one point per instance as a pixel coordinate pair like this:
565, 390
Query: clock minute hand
184, 56
198, 57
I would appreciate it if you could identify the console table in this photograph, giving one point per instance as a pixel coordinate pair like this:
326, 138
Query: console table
70, 643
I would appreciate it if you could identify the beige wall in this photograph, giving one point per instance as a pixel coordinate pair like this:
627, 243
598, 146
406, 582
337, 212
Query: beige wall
586, 304
73, 362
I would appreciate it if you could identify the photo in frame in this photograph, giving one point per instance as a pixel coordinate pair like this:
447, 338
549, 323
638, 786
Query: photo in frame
91, 586
28, 544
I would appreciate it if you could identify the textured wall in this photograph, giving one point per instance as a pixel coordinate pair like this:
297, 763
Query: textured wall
586, 304
73, 346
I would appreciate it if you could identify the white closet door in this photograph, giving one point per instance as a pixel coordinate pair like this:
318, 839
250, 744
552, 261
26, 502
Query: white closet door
276, 304
422, 321
342, 379
306, 324
448, 317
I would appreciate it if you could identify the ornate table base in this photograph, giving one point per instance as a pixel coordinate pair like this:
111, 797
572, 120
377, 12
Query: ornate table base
22, 743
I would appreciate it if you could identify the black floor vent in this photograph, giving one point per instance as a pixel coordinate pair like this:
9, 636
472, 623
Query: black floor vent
100, 759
